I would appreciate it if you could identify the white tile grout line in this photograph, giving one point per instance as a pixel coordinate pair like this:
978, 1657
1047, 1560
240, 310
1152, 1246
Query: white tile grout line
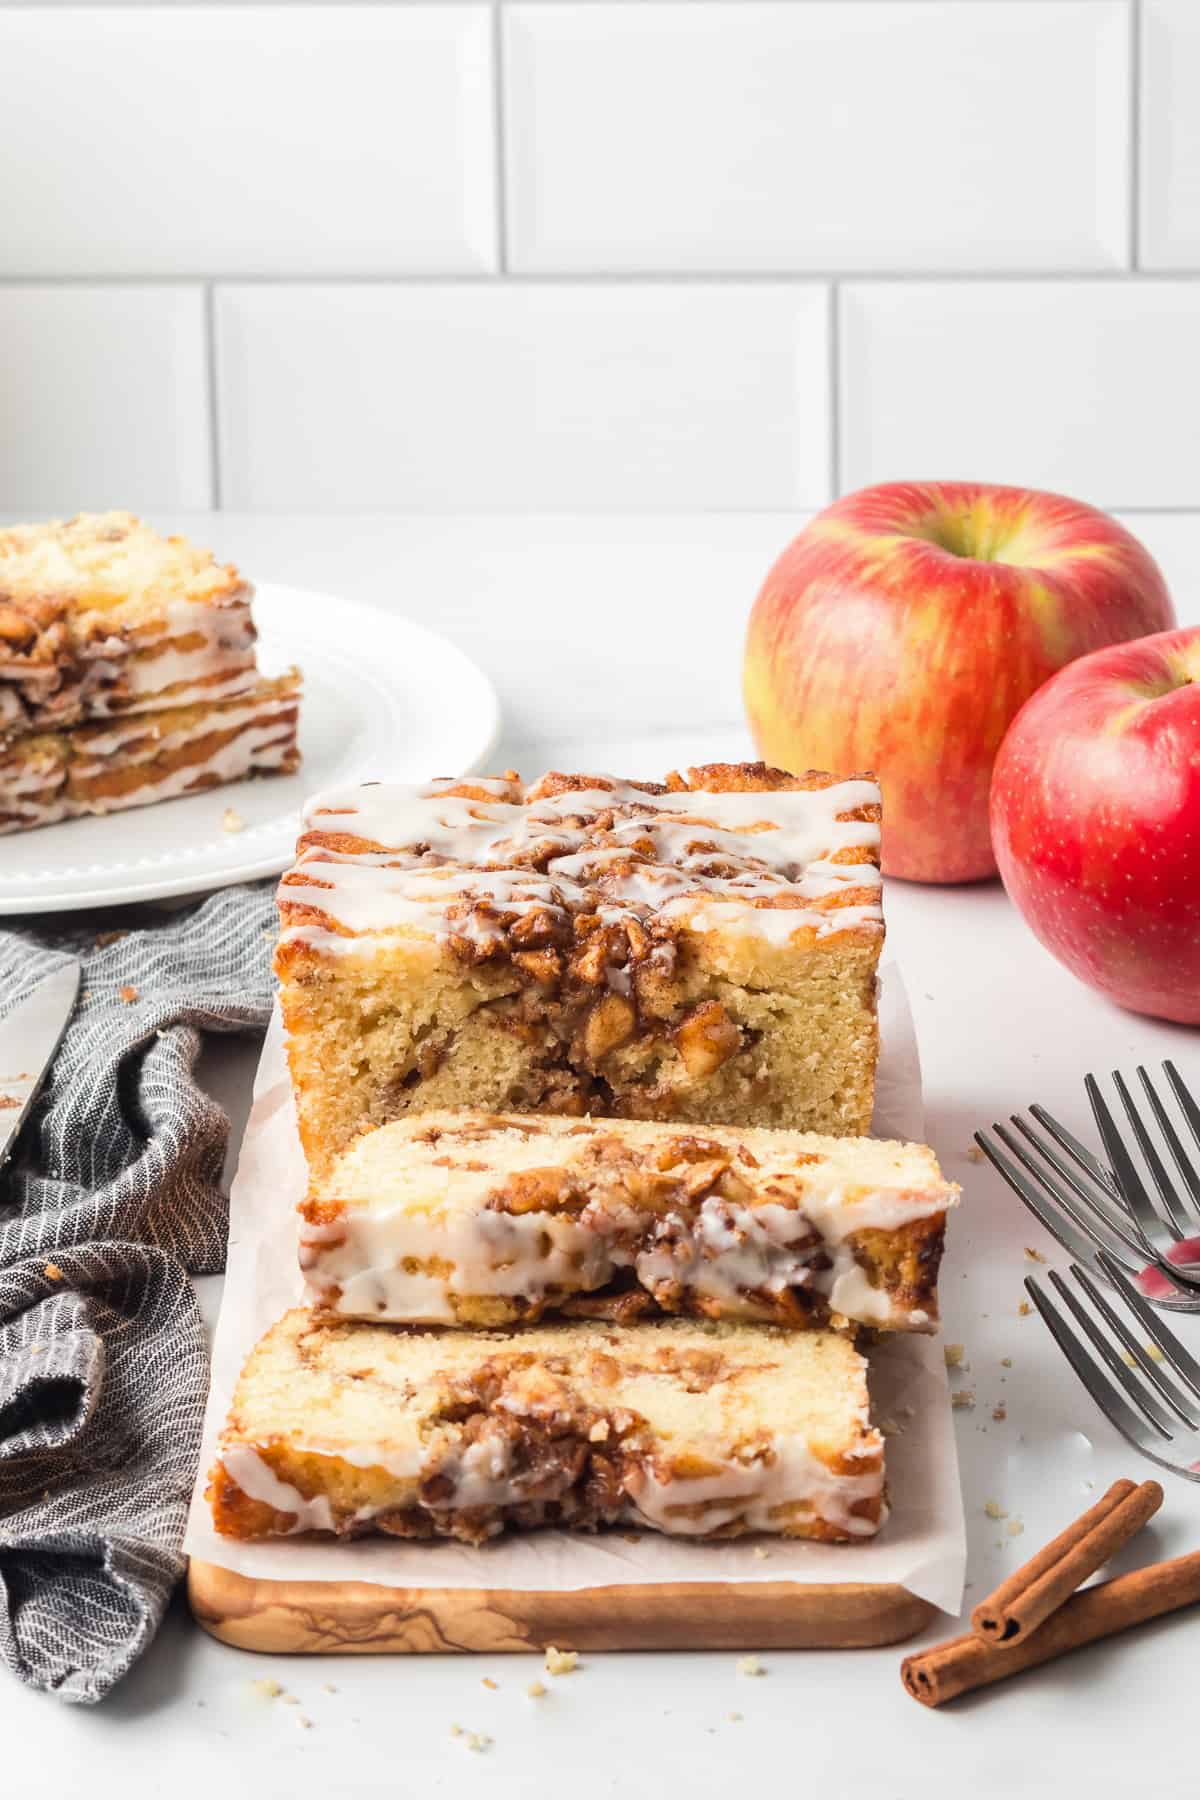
500, 127
979, 277
1135, 132
214, 399
835, 389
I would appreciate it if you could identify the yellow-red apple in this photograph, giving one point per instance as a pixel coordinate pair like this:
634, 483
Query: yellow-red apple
906, 626
1096, 821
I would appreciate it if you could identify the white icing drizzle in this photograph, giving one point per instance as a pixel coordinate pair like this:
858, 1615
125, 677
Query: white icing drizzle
759, 1495
754, 862
369, 1263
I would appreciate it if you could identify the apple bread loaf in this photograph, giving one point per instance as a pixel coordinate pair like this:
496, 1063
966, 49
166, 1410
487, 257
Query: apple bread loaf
137, 758
701, 949
100, 615
478, 1219
698, 1429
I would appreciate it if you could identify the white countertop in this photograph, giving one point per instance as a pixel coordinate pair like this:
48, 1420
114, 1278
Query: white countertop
615, 643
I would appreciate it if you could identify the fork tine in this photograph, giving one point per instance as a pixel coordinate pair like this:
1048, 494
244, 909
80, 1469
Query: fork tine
1071, 1144
1187, 1105
1120, 1228
1128, 1180
1145, 1402
1180, 1361
1081, 1247
1093, 1378
1178, 1402
1179, 1155
1166, 1191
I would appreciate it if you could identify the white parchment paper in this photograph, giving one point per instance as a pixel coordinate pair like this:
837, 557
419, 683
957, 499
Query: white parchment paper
922, 1546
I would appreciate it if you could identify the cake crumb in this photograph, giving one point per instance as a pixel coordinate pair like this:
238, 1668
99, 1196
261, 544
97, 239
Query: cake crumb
761, 1553
1006, 1362
561, 1662
536, 1689
327, 1687
994, 1510
599, 1432
1015, 1528
128, 994
291, 1699
303, 1721
456, 1731
487, 1682
999, 1412
735, 1718
1024, 1310
266, 1688
750, 1665
953, 1354
104, 939
474, 1740
962, 1399
1154, 1353
1034, 1255
975, 1154
232, 821
52, 1272
1129, 1359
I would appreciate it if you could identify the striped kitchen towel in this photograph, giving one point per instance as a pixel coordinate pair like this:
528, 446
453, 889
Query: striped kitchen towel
113, 1196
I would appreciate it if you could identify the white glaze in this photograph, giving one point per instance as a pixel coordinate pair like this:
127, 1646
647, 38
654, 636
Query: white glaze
753, 862
727, 1251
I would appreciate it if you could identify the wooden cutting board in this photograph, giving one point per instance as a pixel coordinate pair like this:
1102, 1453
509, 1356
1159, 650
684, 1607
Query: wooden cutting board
309, 1617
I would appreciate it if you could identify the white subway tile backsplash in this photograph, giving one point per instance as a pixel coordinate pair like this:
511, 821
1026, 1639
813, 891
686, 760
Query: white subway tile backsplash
246, 140
1091, 387
824, 135
1170, 149
103, 399
435, 396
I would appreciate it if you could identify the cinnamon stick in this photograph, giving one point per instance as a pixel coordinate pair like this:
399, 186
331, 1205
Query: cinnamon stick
947, 1670
1039, 1587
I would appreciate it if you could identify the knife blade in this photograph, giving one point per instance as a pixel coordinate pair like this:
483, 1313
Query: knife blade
29, 1037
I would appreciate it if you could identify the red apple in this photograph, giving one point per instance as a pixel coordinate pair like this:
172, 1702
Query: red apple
906, 626
1096, 821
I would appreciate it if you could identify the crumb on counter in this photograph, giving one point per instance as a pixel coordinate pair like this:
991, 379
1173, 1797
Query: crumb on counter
1154, 1353
1024, 1310
1006, 1362
994, 1510
1015, 1528
999, 1412
962, 1399
487, 1682
266, 1688
750, 1665
953, 1354
561, 1662
761, 1553
232, 821
304, 1722
536, 1689
1034, 1255
735, 1718
975, 1154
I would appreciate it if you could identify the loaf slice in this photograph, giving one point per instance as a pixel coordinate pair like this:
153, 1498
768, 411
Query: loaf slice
491, 1219
698, 1429
100, 615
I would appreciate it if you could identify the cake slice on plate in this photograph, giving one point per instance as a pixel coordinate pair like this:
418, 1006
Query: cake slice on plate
697, 1429
489, 1219
700, 949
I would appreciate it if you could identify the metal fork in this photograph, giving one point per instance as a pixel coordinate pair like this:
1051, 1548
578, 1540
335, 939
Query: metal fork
1155, 1405
1091, 1208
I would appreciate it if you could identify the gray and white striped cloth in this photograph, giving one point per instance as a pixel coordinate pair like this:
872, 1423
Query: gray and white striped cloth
116, 1189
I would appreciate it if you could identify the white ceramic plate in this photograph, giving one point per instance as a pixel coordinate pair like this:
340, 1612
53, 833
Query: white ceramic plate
383, 700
